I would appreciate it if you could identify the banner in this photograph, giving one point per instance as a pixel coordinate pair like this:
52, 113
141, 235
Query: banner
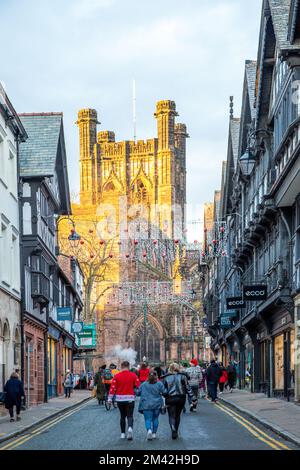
233, 303
256, 292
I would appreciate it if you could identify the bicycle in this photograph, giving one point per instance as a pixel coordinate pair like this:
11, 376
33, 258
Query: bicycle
110, 404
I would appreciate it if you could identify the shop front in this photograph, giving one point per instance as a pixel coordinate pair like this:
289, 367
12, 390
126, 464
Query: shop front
284, 364
53, 340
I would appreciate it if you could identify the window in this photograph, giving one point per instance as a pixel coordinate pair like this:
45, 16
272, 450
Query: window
2, 158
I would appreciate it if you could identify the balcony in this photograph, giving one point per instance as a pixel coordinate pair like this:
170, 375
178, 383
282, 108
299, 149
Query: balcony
40, 288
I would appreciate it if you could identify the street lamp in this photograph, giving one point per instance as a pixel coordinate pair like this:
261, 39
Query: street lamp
247, 162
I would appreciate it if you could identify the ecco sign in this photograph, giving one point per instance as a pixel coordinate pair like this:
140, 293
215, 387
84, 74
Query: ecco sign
233, 303
253, 293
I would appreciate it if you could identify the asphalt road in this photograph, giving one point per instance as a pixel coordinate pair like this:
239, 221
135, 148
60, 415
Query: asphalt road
91, 427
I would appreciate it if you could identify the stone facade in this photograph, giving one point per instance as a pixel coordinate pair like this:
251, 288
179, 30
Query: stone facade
124, 186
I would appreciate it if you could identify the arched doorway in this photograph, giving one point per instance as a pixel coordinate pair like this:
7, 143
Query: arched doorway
147, 343
6, 341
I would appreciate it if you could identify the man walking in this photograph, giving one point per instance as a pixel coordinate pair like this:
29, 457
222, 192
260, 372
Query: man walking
213, 375
195, 376
122, 387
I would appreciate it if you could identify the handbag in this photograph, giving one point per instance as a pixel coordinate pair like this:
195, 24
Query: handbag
94, 391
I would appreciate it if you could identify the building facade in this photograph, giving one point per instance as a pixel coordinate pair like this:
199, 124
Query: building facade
132, 197
259, 207
45, 195
11, 134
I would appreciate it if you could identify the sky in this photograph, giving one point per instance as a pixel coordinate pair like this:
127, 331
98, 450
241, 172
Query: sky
71, 54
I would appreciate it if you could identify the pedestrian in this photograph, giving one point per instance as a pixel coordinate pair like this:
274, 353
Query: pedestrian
159, 371
223, 379
14, 392
231, 373
107, 379
195, 374
202, 384
213, 376
144, 372
123, 389
177, 387
98, 383
151, 403
68, 383
83, 381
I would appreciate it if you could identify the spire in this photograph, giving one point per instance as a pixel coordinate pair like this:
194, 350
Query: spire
231, 107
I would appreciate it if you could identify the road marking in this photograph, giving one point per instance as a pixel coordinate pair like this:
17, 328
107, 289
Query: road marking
254, 430
21, 440
221, 405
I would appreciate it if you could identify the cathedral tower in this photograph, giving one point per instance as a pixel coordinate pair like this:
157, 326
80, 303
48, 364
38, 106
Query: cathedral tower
87, 123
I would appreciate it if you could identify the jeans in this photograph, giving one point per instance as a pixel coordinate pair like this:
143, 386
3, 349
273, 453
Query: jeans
195, 389
11, 410
151, 419
126, 411
68, 392
213, 390
175, 406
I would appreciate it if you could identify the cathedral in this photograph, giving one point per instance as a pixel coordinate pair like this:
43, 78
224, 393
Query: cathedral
131, 217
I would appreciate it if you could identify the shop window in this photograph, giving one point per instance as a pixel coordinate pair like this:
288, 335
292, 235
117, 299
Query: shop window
279, 362
292, 358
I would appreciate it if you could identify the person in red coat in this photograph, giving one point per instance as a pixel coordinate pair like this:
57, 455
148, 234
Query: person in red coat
144, 372
224, 378
122, 387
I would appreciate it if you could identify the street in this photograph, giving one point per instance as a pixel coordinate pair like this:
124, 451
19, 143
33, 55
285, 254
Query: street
91, 427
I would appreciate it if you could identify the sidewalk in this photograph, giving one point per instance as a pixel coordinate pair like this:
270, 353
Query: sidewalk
280, 416
40, 413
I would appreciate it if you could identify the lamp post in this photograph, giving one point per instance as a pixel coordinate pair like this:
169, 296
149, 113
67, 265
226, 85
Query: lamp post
247, 160
74, 237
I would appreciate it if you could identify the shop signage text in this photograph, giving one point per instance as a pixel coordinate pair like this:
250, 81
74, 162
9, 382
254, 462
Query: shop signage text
254, 293
233, 303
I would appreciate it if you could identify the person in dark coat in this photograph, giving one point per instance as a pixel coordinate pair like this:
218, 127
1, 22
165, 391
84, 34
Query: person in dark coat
232, 375
213, 375
14, 392
98, 383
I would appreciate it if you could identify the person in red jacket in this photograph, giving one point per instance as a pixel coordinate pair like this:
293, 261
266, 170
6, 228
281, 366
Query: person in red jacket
144, 372
122, 387
223, 379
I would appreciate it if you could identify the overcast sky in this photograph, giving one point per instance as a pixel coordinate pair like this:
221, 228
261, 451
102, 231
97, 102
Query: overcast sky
65, 55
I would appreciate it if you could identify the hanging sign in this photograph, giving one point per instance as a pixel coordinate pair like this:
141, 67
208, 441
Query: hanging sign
231, 314
225, 322
64, 313
256, 292
77, 327
233, 303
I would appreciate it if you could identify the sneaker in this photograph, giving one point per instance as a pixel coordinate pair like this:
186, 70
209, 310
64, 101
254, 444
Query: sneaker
153, 435
18, 418
123, 435
11, 420
149, 435
191, 408
174, 434
130, 434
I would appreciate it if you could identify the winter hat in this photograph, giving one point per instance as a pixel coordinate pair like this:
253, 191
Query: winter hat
194, 362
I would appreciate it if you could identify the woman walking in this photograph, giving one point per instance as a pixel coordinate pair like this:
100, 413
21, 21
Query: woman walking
14, 392
68, 383
98, 383
177, 387
223, 379
151, 402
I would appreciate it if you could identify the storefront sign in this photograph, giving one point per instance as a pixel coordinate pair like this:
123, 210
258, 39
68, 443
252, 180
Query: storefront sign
254, 293
54, 332
68, 343
233, 303
230, 314
64, 313
87, 337
226, 322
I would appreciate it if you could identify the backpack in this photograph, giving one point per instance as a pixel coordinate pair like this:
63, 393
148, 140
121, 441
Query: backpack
107, 375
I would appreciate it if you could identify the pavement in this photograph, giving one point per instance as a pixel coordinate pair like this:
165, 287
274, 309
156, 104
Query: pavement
38, 414
91, 427
278, 415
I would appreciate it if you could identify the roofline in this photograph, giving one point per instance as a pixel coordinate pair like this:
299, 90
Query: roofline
55, 113
20, 128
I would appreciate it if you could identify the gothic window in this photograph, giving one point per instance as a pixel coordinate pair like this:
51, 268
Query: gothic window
109, 186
